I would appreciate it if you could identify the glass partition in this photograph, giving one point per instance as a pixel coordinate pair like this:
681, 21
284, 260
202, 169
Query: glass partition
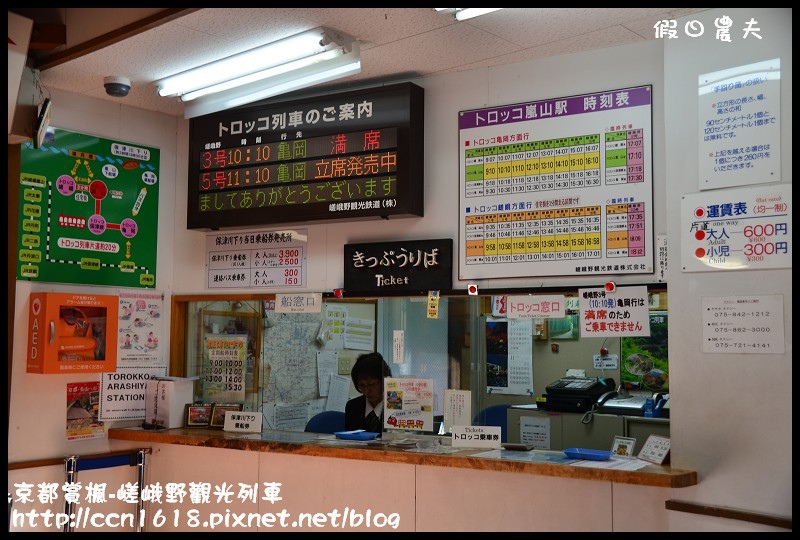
292, 366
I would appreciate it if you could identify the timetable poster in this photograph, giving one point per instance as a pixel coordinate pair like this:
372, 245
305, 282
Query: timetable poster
88, 211
223, 376
558, 187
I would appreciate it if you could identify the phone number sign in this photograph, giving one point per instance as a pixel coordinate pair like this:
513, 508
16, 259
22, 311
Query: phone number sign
743, 324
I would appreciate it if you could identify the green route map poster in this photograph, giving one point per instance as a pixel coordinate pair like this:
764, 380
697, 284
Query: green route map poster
88, 211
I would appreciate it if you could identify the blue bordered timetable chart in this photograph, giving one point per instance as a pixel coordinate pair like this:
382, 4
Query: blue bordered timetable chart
557, 187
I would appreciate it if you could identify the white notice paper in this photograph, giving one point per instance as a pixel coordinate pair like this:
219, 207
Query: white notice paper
327, 365
337, 393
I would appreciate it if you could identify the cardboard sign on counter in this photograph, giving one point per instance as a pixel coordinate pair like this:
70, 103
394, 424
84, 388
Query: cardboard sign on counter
166, 399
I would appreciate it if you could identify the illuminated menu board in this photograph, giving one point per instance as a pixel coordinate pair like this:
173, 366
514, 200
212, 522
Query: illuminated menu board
339, 157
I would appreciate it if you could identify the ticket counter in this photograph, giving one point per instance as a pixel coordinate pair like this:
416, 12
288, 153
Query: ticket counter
567, 430
429, 491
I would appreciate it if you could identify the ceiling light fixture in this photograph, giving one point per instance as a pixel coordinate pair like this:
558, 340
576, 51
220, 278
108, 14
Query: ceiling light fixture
293, 63
462, 14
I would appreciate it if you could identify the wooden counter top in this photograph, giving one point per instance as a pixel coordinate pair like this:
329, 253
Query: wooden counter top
305, 444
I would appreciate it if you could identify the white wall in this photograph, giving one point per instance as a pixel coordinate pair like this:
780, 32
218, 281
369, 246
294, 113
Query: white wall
37, 421
731, 415
445, 95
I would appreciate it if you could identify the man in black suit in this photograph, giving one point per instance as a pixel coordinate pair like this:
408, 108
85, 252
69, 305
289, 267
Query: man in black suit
366, 411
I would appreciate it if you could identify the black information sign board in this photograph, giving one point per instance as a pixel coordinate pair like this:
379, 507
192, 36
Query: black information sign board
343, 157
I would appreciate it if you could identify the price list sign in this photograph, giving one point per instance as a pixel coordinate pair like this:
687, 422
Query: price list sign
737, 229
743, 324
257, 260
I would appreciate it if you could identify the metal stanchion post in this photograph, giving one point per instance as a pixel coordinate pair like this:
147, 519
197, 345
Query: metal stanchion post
140, 463
71, 472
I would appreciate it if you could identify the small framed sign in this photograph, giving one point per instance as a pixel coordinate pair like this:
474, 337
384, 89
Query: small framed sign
218, 413
198, 414
655, 449
623, 446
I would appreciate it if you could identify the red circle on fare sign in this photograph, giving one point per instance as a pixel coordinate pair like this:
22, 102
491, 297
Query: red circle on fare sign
700, 253
699, 212
699, 235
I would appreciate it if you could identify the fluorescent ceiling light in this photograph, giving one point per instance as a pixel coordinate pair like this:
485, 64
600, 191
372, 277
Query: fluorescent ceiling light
277, 83
296, 62
462, 14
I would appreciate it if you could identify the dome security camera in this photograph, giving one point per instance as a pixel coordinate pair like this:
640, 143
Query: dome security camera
117, 86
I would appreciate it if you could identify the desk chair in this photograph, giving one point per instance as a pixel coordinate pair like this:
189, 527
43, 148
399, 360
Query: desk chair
494, 415
326, 422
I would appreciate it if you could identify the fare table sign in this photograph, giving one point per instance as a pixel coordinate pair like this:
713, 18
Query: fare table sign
261, 259
737, 229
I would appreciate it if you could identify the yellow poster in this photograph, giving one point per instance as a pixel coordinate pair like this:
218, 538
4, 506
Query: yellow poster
223, 368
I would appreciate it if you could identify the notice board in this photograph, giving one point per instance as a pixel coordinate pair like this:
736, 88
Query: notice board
88, 211
339, 157
557, 187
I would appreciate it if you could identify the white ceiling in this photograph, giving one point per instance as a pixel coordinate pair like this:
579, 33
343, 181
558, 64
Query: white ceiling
396, 43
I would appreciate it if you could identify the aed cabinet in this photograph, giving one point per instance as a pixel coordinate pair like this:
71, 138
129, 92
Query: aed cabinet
568, 431
72, 333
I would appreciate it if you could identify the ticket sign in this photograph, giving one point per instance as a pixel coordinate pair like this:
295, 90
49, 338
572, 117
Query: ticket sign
338, 157
477, 436
399, 267
243, 421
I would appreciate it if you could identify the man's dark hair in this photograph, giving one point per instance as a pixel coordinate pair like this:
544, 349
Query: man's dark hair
370, 366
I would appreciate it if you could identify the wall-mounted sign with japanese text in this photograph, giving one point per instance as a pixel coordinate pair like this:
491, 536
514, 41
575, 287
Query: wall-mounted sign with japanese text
737, 229
223, 368
623, 312
391, 268
740, 127
552, 306
561, 186
88, 211
743, 324
257, 259
304, 302
338, 157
